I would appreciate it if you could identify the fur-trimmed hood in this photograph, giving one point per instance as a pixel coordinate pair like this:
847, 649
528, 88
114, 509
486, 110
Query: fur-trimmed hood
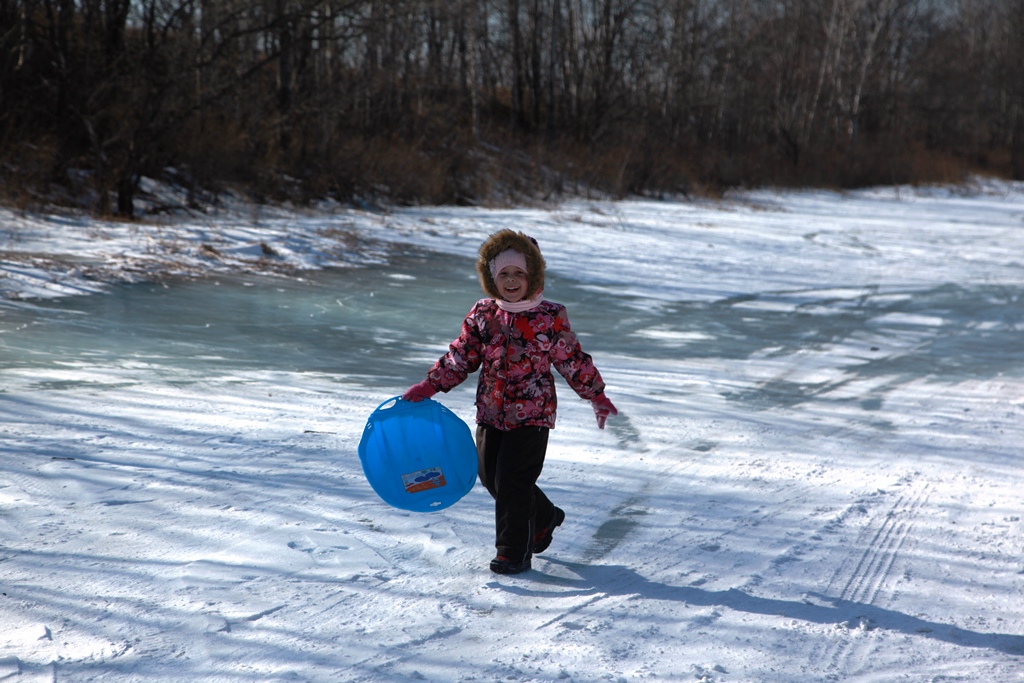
525, 245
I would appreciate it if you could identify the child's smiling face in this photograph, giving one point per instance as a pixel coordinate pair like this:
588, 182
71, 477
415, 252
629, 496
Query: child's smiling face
512, 282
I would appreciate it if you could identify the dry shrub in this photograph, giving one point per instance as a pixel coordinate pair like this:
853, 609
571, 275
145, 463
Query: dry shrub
998, 161
869, 162
219, 152
395, 170
30, 173
658, 170
619, 169
932, 166
718, 170
604, 169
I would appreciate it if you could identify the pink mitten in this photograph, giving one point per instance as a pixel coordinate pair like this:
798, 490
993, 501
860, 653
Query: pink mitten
418, 392
602, 409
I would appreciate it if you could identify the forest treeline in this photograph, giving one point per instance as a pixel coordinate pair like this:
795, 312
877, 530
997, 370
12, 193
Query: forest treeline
465, 101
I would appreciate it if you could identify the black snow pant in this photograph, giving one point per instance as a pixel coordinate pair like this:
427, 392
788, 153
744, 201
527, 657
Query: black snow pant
509, 464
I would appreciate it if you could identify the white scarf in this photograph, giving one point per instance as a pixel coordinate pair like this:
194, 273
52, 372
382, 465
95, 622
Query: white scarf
520, 306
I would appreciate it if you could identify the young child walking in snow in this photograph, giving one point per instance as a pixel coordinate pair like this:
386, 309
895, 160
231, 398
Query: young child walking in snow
514, 337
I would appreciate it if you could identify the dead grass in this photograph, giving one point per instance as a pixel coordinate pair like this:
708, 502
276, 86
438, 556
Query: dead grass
442, 164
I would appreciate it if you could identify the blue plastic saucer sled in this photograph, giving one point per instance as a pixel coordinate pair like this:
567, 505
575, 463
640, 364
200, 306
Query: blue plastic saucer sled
417, 456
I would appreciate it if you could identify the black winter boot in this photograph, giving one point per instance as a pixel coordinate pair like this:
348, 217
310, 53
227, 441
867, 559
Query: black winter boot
542, 539
503, 565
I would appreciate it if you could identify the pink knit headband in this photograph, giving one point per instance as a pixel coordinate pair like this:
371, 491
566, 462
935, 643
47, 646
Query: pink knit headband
509, 257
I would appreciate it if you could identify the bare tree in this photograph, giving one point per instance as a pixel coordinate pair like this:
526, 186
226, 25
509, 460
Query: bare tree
342, 95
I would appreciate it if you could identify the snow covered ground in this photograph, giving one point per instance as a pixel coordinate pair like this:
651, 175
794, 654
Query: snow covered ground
815, 475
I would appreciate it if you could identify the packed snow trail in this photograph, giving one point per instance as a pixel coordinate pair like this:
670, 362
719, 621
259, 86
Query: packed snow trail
814, 475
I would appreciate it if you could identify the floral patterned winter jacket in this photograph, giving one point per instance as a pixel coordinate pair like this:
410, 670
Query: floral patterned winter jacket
515, 353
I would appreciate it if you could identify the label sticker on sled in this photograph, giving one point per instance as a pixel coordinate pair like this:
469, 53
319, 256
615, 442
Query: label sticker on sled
423, 480
418, 456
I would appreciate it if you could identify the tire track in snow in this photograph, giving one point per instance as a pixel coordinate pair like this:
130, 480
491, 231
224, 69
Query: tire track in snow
875, 564
865, 577
609, 530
